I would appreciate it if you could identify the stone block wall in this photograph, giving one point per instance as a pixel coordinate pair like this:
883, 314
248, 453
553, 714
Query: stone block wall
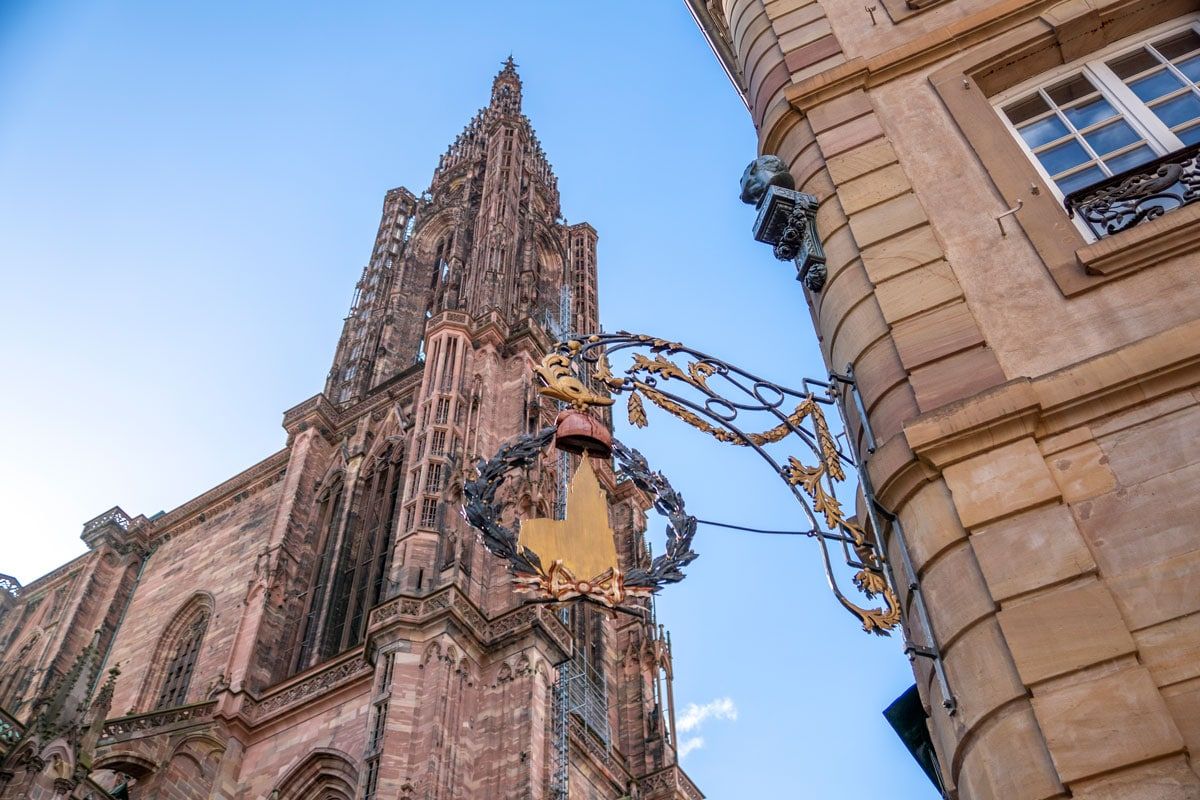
1034, 416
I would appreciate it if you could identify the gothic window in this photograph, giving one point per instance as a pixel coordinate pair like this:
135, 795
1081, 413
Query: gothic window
443, 410
429, 513
433, 478
358, 578
437, 444
19, 675
371, 778
329, 514
31, 605
409, 514
1115, 112
182, 663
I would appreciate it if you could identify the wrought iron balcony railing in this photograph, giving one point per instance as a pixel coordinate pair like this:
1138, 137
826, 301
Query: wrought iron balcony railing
1140, 194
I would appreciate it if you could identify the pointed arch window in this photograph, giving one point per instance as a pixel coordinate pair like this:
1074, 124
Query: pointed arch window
362, 562
182, 663
350, 574
329, 515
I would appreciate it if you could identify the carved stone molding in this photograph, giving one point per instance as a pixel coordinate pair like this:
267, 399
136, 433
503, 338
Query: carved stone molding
668, 784
451, 602
291, 694
137, 725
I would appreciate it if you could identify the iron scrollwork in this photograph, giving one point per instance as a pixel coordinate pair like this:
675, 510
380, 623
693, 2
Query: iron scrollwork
712, 396
550, 582
1140, 194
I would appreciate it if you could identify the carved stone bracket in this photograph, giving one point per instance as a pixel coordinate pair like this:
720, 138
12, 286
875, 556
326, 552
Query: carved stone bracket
787, 220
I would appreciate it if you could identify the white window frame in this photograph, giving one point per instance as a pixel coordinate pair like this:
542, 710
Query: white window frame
1140, 117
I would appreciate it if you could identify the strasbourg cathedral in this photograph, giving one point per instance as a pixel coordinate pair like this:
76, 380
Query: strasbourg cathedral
325, 625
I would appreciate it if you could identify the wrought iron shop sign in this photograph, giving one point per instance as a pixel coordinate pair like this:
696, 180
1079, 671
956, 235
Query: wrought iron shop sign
558, 560
575, 557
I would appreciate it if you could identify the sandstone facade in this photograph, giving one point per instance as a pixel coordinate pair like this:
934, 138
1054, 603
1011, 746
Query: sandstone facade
1032, 384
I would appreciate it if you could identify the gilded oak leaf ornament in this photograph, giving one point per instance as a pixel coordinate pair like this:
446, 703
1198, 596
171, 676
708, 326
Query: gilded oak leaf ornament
562, 384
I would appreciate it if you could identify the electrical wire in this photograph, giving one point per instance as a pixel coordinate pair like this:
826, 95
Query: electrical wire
810, 534
756, 530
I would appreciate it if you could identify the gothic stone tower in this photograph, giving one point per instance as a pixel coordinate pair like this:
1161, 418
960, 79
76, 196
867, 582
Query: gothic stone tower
325, 624
1030, 374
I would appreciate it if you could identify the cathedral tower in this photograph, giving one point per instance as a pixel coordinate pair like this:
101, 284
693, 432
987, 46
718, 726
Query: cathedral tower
326, 623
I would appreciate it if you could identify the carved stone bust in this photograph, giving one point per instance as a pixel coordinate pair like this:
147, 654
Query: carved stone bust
764, 171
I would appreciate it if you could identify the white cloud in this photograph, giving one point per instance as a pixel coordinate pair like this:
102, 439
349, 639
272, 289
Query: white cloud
693, 715
689, 744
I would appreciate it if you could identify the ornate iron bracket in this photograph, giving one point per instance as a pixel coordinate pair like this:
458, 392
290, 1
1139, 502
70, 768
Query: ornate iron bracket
712, 395
875, 512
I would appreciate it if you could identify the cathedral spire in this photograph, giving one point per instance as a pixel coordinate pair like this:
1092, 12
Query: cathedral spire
506, 88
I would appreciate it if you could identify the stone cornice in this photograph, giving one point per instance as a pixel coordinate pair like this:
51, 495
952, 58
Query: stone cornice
924, 50
669, 784
38, 584
344, 670
242, 708
246, 483
1062, 400
154, 722
315, 411
451, 603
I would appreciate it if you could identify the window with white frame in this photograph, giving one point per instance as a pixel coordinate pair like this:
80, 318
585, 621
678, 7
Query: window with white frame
1125, 107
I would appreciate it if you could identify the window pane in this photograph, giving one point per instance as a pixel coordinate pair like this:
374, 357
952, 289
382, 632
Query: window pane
1073, 88
1111, 137
1179, 110
1081, 179
1191, 68
1189, 136
1062, 157
1090, 113
1028, 108
1155, 85
1043, 131
1129, 65
1178, 44
1130, 160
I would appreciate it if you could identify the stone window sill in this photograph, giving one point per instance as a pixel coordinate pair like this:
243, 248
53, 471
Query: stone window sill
1175, 233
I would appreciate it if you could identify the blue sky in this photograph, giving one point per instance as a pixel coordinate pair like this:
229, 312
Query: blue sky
189, 190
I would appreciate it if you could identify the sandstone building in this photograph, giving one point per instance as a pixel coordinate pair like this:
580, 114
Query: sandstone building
324, 624
1006, 194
